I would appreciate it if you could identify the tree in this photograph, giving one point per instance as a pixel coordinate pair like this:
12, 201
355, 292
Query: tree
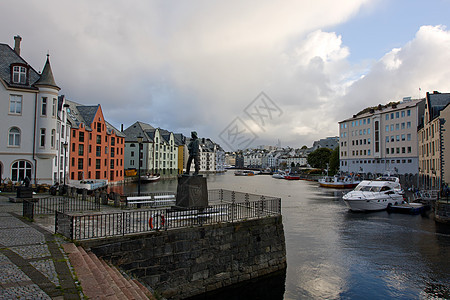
319, 158
304, 147
334, 161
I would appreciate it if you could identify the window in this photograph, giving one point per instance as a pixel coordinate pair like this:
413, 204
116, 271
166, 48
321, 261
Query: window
387, 139
387, 117
403, 114
99, 139
397, 126
387, 128
99, 127
54, 107
392, 116
98, 151
15, 104
20, 169
42, 139
408, 112
387, 150
19, 75
80, 164
80, 149
397, 115
14, 137
409, 150
392, 127
113, 141
44, 106
52, 140
408, 124
403, 137
97, 164
408, 137
81, 136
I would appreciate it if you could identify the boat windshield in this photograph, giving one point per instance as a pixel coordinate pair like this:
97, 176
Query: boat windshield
367, 188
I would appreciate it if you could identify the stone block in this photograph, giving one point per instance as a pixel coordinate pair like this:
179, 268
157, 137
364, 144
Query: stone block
192, 191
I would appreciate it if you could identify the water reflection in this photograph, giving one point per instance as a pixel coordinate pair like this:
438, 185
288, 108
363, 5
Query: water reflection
335, 254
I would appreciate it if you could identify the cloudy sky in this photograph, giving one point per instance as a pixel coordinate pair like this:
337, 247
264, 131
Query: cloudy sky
244, 73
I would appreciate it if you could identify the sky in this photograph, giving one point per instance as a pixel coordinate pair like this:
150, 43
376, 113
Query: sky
243, 73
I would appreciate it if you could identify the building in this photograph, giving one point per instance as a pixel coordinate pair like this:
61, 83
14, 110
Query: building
433, 139
381, 139
180, 142
329, 142
32, 121
158, 153
96, 147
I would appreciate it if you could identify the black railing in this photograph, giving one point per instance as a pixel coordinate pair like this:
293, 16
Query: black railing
230, 207
49, 205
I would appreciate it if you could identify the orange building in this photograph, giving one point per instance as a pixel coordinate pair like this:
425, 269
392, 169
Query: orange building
96, 147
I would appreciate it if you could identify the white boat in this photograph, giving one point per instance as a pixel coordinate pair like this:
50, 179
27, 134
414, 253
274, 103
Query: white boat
90, 185
279, 175
150, 177
339, 182
376, 194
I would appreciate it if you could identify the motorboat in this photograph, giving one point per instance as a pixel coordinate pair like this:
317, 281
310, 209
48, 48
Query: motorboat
339, 182
378, 194
244, 173
150, 177
279, 175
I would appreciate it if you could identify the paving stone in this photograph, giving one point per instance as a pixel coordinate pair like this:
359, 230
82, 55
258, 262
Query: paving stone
31, 251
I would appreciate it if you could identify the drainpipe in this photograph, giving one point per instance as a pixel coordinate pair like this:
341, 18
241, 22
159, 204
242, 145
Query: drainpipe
34, 137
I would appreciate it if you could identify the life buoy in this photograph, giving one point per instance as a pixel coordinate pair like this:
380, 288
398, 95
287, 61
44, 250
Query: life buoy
156, 221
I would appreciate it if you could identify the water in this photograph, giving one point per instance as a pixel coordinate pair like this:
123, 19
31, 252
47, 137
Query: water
335, 254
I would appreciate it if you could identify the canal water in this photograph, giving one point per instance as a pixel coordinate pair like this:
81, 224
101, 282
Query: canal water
336, 254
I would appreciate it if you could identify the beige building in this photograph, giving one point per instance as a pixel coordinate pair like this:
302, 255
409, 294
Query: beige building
433, 137
381, 139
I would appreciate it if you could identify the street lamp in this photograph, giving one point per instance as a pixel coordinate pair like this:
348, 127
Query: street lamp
139, 139
65, 165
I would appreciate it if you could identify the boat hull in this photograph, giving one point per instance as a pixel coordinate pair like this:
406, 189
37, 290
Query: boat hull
372, 204
338, 185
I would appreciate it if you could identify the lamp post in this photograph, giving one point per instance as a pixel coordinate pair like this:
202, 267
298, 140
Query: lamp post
65, 162
139, 139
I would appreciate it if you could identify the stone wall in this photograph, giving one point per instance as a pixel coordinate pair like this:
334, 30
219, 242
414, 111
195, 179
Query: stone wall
185, 262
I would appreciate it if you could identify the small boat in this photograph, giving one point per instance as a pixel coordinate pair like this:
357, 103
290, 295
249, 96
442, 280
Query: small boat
292, 177
90, 185
279, 175
339, 182
267, 171
150, 177
244, 173
409, 208
378, 194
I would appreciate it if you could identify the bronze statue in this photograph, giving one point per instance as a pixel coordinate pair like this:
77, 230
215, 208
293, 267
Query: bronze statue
194, 154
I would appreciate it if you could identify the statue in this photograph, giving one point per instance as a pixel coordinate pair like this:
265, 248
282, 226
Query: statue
194, 154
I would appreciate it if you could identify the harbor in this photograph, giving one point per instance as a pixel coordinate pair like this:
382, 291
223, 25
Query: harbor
333, 253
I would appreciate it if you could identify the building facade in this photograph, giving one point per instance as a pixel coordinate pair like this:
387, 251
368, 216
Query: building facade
433, 136
158, 153
96, 148
381, 139
32, 121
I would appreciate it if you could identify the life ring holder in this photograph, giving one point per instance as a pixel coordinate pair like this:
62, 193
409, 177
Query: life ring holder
156, 221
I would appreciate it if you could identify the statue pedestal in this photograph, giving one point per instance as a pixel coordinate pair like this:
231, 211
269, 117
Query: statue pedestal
192, 191
24, 192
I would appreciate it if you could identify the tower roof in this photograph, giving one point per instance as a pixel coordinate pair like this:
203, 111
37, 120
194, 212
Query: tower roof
47, 76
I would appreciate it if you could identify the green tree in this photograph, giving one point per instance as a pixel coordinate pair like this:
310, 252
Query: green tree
334, 161
319, 158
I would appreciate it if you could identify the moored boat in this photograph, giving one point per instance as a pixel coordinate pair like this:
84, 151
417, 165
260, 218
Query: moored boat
279, 175
244, 173
292, 177
409, 208
150, 177
378, 194
339, 182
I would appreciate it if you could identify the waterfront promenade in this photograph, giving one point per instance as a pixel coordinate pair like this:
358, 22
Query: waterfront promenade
32, 263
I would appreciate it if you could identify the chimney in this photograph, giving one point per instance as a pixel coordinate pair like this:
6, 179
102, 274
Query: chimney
121, 127
17, 40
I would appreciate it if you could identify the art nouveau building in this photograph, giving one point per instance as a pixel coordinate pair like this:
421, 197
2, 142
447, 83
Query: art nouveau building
96, 148
381, 139
158, 153
433, 140
33, 127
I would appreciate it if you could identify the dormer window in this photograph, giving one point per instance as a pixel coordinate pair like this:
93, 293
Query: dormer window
19, 75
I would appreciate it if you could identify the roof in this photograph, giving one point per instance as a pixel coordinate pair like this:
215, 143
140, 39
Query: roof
7, 57
47, 76
437, 102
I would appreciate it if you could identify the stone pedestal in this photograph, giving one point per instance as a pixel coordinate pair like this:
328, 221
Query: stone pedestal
192, 191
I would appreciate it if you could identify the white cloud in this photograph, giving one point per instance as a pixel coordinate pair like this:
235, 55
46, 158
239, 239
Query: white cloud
185, 65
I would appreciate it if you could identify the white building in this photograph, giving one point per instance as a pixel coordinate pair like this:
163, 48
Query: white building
158, 154
32, 121
381, 139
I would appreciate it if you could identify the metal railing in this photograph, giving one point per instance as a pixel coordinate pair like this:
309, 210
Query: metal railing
230, 207
49, 205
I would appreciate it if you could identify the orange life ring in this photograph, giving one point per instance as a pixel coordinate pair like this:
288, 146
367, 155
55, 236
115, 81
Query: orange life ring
153, 221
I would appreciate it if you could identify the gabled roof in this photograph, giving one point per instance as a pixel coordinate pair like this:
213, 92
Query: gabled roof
88, 112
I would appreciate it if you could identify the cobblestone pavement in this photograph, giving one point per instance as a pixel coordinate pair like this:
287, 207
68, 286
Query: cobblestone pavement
32, 263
